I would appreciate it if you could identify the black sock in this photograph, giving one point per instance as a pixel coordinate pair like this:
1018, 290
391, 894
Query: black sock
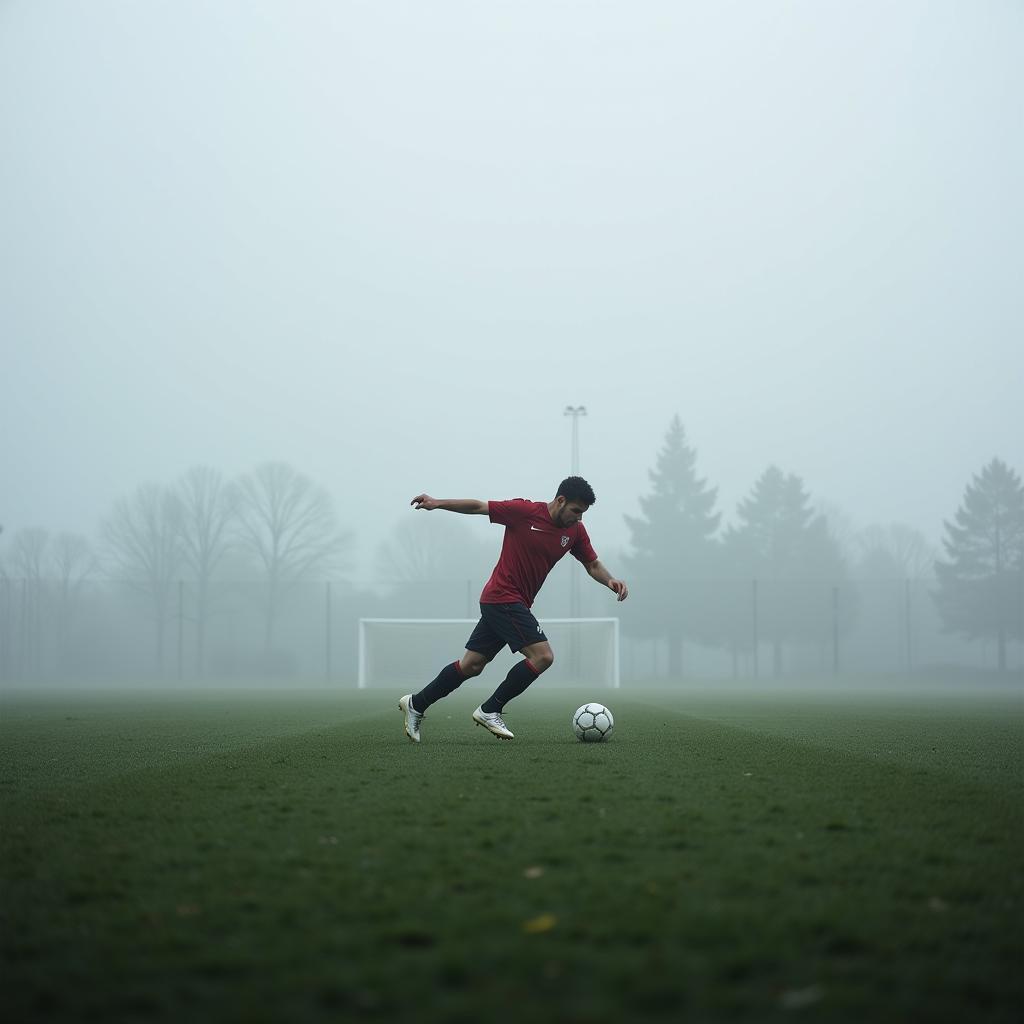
448, 679
518, 679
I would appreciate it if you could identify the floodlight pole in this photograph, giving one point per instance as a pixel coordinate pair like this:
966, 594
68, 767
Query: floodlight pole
575, 411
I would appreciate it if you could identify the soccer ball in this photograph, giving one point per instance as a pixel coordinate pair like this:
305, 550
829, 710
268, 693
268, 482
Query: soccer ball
593, 723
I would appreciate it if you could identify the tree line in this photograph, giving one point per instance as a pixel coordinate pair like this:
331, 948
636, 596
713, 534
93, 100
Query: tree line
779, 540
278, 526
274, 522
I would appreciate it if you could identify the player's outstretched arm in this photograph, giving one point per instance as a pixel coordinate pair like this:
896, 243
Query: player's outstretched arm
467, 506
605, 578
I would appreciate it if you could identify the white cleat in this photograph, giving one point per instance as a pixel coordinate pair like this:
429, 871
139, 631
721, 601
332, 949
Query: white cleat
492, 722
412, 718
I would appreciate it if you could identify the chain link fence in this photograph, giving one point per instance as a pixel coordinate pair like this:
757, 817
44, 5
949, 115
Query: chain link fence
110, 632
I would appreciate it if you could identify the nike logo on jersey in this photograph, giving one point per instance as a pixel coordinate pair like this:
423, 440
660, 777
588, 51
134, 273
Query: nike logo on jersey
539, 530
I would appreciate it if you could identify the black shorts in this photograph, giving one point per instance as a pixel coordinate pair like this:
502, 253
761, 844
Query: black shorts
502, 624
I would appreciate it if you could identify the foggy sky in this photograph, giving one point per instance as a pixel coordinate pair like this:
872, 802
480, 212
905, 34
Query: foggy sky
389, 242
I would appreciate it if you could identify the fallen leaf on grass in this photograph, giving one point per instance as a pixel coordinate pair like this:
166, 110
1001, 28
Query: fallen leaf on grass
538, 925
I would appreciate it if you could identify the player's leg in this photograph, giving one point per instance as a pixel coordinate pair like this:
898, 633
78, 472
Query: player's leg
450, 678
520, 628
474, 662
537, 658
539, 655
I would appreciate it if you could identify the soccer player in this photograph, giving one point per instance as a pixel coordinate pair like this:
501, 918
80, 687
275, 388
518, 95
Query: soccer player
537, 535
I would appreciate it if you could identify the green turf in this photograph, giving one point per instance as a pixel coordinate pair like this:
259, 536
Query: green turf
728, 855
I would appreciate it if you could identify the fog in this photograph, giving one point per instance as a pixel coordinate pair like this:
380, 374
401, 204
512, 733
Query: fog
388, 243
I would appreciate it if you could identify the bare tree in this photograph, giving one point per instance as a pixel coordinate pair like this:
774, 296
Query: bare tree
287, 522
29, 552
207, 506
896, 549
840, 527
73, 563
143, 541
427, 552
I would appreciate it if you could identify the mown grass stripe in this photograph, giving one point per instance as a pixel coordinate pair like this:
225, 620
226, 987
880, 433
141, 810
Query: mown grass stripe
721, 861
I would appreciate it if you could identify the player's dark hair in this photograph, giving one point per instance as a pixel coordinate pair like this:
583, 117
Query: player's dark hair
575, 488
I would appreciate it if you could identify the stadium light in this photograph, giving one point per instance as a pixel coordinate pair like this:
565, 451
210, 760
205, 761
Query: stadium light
575, 411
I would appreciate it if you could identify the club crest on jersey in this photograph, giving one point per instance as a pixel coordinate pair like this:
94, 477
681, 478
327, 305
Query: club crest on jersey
565, 540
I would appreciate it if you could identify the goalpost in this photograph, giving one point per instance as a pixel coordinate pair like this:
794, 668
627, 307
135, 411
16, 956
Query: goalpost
409, 652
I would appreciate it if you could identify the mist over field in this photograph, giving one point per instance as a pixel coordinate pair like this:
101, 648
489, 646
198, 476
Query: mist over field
271, 269
387, 244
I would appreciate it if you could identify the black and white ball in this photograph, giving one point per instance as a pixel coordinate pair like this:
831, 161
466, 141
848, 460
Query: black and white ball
593, 723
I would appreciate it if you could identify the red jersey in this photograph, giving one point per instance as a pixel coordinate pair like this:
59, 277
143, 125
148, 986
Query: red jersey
532, 546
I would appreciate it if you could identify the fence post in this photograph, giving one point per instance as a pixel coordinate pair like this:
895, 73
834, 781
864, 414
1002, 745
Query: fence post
181, 623
361, 679
1020, 610
24, 654
327, 633
835, 630
908, 633
5, 631
756, 641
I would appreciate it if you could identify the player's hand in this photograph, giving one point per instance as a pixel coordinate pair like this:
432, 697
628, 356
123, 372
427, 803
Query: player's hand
620, 588
424, 501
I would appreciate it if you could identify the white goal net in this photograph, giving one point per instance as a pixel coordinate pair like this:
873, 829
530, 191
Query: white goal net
410, 652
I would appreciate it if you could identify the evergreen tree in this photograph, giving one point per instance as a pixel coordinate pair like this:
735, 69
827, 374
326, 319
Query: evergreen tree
786, 547
674, 549
981, 586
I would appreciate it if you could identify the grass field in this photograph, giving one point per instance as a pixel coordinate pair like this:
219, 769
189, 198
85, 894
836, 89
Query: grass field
217, 856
